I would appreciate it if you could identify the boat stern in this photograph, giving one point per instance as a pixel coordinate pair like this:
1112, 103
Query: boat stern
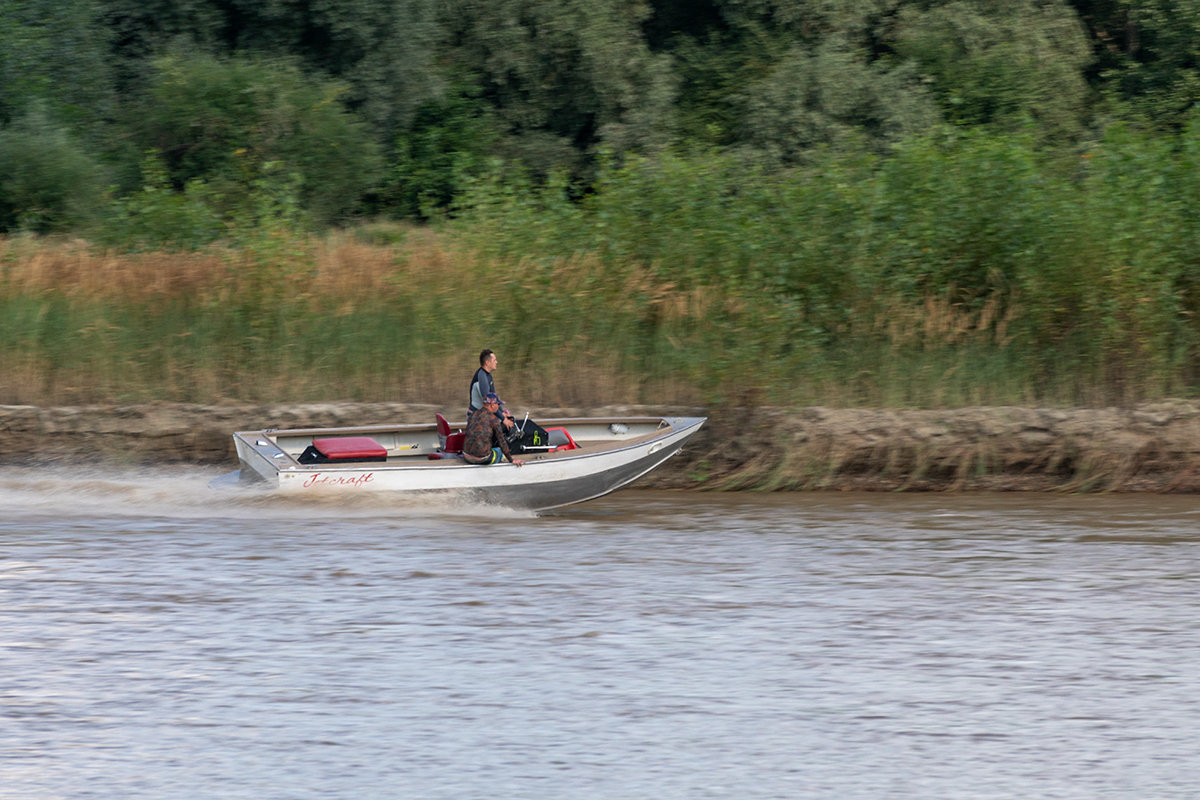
261, 458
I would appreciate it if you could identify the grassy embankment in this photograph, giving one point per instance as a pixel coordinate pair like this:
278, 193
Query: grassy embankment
970, 272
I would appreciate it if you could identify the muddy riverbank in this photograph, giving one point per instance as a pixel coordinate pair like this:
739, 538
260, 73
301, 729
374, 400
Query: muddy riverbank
1149, 448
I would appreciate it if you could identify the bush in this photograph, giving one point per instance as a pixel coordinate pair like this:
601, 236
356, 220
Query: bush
47, 181
236, 123
157, 216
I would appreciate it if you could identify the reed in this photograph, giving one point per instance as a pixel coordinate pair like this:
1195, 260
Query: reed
340, 318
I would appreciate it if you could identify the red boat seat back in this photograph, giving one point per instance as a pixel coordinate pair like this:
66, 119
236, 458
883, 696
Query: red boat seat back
449, 442
561, 439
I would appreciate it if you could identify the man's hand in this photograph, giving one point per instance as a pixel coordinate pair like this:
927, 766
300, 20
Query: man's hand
518, 462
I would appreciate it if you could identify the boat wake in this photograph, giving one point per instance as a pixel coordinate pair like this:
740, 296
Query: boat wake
185, 492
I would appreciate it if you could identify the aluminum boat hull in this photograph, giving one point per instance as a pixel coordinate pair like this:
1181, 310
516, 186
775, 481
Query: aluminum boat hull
612, 453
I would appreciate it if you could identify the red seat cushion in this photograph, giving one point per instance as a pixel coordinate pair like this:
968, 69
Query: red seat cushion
350, 448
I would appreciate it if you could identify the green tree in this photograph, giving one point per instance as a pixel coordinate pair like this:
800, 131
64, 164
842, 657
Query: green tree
1147, 55
782, 77
48, 182
54, 56
224, 120
831, 96
159, 216
1005, 64
450, 141
383, 50
562, 77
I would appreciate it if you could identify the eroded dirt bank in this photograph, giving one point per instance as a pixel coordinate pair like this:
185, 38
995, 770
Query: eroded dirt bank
1152, 447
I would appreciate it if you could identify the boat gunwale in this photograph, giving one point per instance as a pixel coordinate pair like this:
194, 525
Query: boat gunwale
423, 426
396, 463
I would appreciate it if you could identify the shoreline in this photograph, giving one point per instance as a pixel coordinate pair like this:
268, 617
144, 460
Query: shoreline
1151, 447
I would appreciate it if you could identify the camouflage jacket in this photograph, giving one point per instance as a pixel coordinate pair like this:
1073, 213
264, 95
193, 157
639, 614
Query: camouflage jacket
484, 431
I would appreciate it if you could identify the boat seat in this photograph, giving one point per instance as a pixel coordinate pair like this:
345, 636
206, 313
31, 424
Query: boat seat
343, 448
450, 443
561, 440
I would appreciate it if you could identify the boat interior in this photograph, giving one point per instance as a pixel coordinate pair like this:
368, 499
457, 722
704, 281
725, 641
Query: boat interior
442, 442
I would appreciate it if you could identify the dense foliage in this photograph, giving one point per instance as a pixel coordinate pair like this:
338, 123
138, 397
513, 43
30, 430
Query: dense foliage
886, 201
390, 107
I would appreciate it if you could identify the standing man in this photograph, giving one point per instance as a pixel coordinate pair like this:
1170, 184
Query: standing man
481, 381
482, 385
485, 442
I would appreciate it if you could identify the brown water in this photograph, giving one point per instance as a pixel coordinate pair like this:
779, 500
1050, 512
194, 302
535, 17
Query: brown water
158, 640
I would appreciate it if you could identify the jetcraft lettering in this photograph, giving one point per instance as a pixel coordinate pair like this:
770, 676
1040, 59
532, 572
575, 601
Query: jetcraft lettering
326, 479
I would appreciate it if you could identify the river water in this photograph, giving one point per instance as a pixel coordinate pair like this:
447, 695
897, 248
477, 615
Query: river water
160, 640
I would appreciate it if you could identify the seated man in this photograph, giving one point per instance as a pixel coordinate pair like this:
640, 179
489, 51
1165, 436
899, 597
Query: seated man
485, 442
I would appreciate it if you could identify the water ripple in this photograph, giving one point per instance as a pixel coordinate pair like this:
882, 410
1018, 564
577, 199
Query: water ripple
155, 642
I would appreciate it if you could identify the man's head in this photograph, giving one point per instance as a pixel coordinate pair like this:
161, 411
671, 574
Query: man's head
491, 401
487, 360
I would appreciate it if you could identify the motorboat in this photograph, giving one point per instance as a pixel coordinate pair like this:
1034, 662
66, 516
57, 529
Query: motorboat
577, 459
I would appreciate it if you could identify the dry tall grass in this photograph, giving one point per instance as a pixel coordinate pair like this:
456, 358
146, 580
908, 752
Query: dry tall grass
403, 318
339, 268
73, 268
945, 319
430, 289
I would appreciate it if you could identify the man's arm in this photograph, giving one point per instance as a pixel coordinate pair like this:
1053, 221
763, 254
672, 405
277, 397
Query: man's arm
498, 435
